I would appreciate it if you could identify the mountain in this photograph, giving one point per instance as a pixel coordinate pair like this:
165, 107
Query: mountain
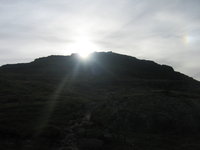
110, 101
107, 64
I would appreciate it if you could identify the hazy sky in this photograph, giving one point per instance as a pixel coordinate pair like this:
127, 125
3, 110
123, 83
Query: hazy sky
166, 31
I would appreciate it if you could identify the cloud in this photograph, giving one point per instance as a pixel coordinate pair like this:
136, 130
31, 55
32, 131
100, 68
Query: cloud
165, 31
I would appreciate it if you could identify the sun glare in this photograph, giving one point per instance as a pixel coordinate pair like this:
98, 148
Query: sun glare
84, 54
83, 46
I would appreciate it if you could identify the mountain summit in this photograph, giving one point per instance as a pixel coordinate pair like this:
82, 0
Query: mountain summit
109, 101
100, 64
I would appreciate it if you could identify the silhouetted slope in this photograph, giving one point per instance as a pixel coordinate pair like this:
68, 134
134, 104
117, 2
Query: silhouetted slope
101, 64
109, 101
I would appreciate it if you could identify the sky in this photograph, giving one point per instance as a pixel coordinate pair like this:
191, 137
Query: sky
165, 31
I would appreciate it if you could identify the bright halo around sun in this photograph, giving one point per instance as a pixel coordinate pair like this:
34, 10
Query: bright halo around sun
84, 54
83, 46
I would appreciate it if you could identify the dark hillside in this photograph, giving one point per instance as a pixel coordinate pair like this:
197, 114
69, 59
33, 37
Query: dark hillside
100, 63
109, 101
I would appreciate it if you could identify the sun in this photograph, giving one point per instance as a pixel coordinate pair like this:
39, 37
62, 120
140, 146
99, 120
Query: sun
84, 54
83, 46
